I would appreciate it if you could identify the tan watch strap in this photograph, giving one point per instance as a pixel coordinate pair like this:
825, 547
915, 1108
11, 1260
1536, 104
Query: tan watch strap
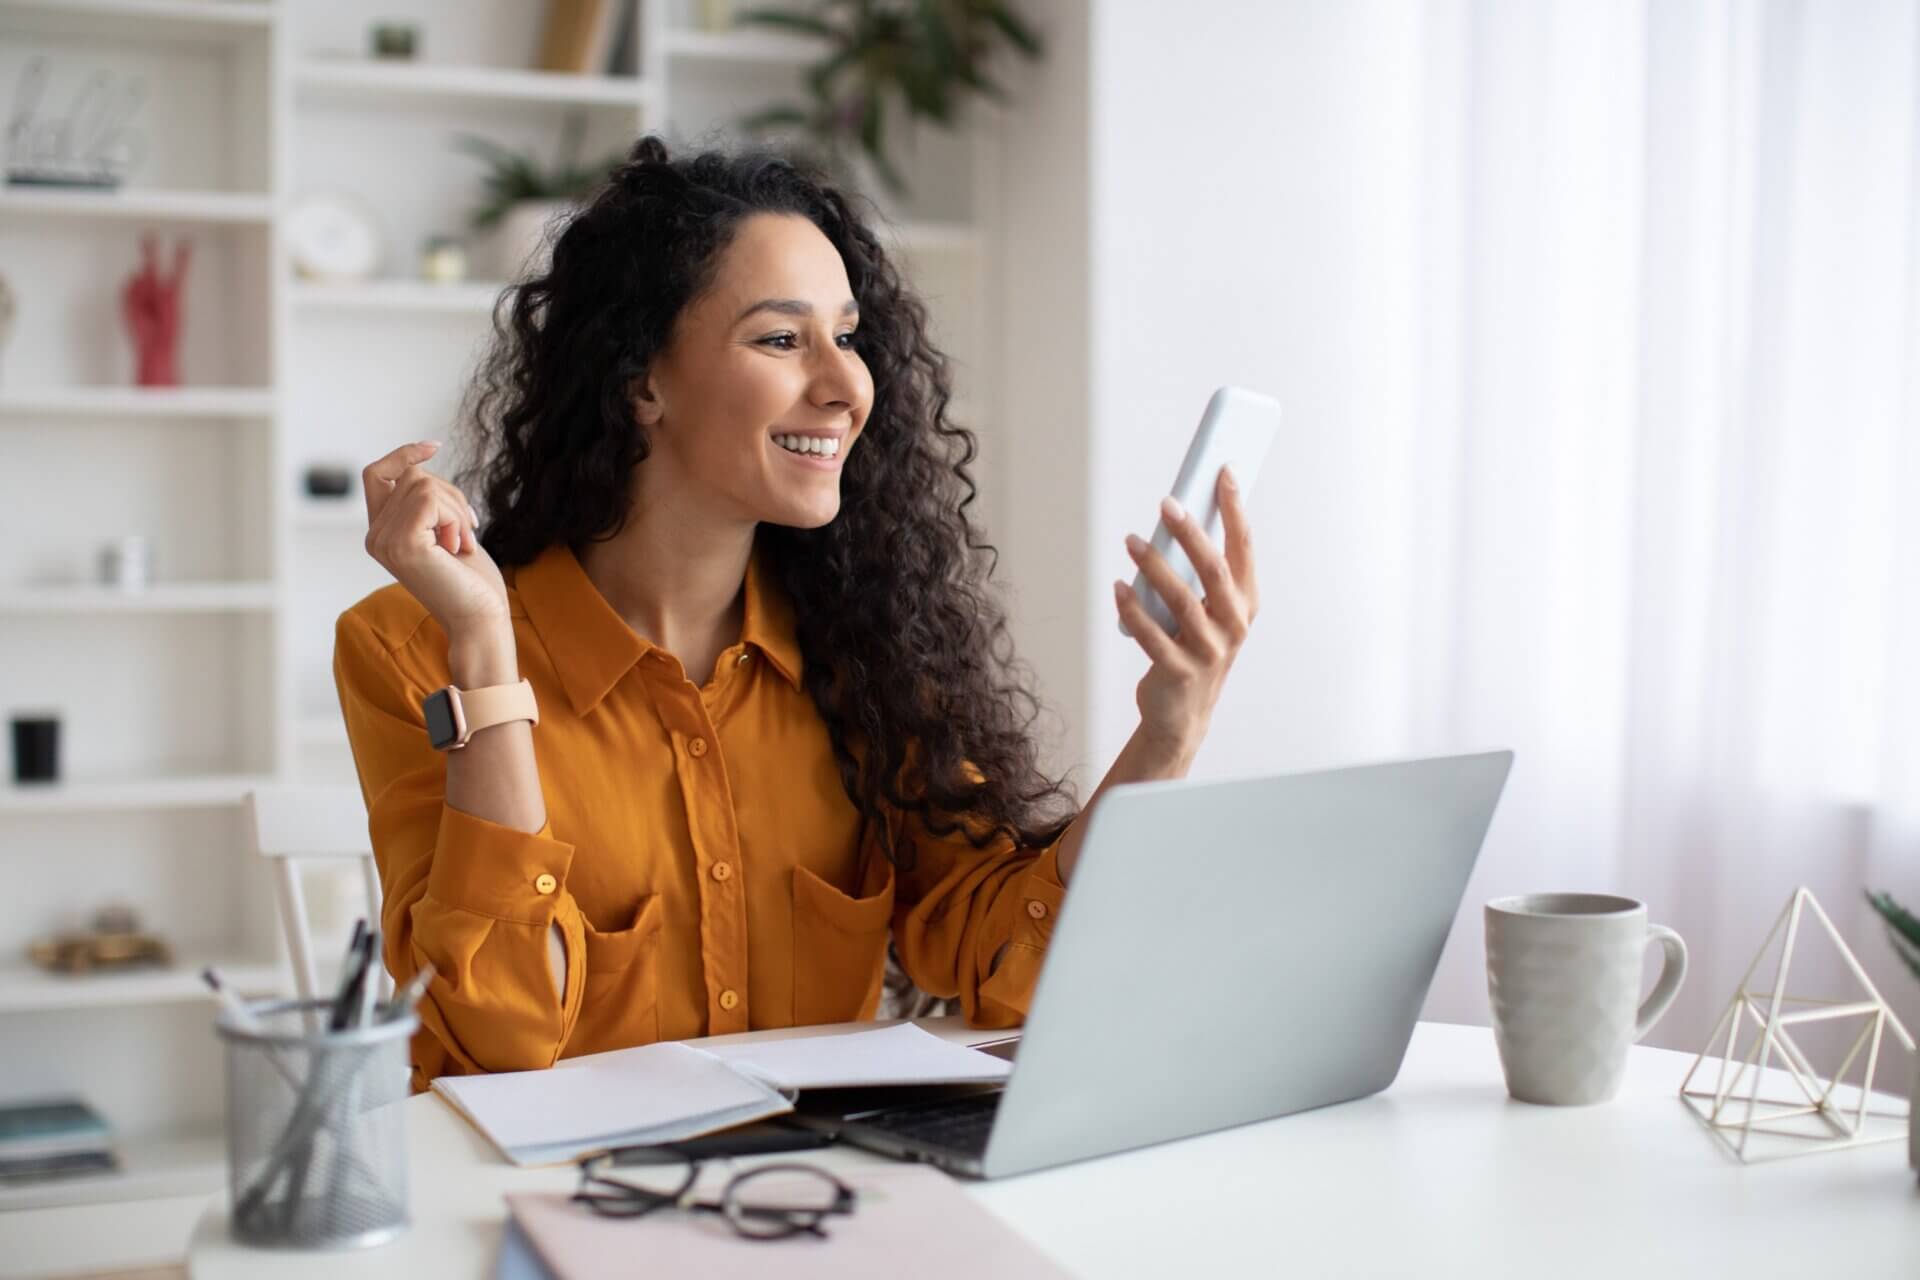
498, 704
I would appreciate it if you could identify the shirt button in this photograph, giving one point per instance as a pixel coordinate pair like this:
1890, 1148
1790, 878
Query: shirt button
545, 883
722, 870
729, 999
1037, 910
697, 747
744, 659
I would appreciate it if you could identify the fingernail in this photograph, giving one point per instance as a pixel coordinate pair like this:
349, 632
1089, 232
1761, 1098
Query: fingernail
429, 444
1170, 508
1136, 544
1120, 588
1226, 478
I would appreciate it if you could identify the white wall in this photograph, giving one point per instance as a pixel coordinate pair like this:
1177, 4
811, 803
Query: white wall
1202, 260
1441, 234
1042, 440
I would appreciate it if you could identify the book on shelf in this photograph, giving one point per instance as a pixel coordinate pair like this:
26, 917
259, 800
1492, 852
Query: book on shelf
53, 1137
579, 35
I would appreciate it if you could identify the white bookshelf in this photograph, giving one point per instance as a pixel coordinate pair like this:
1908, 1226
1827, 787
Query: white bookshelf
175, 403
182, 791
170, 597
211, 207
180, 698
24, 988
320, 79
184, 1164
219, 22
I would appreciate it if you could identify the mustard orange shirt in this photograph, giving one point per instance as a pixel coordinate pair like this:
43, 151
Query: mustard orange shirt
703, 861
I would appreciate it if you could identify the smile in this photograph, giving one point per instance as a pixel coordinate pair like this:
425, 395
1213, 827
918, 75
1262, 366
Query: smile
812, 448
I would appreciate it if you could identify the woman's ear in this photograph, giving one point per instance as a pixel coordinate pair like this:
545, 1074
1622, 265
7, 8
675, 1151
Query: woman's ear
647, 408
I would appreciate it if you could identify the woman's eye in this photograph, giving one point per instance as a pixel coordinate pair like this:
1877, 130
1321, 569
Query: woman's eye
786, 341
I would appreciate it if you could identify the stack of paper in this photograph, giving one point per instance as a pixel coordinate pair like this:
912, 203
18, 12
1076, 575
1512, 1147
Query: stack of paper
672, 1091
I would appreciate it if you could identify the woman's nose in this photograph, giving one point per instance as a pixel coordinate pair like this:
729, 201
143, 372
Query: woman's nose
837, 381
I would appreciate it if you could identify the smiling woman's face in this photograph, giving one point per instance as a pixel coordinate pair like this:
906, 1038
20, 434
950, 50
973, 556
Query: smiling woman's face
758, 396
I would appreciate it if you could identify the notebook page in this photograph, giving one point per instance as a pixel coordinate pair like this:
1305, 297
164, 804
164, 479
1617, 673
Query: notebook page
903, 1054
657, 1092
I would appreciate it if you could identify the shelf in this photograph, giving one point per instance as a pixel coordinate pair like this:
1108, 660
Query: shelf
746, 47
468, 297
136, 402
186, 791
25, 988
220, 22
361, 79
146, 204
166, 597
150, 1169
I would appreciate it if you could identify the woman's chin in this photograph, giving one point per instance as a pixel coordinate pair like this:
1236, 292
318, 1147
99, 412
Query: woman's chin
809, 513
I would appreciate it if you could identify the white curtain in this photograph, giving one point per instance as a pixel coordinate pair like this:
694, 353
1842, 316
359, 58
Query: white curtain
1649, 346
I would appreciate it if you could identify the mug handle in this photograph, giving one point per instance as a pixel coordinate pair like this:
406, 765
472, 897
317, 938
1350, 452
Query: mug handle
1671, 973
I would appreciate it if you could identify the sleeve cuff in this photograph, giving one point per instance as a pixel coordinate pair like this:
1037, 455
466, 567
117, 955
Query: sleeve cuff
491, 870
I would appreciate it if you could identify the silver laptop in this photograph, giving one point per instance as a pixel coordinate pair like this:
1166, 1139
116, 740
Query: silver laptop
1228, 952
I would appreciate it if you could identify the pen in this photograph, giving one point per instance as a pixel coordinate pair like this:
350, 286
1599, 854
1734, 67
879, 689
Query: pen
346, 1002
230, 999
369, 981
408, 995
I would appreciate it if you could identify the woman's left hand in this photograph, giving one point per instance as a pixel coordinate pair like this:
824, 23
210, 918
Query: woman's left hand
1177, 695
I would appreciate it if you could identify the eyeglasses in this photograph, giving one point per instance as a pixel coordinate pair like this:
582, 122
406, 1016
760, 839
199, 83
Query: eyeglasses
766, 1202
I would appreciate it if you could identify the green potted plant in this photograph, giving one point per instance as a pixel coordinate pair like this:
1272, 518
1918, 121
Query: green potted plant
928, 57
520, 197
1903, 930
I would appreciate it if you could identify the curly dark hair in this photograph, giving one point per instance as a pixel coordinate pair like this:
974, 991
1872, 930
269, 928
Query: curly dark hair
905, 645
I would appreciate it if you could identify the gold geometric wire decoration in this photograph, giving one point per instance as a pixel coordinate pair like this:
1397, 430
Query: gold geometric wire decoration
1824, 1116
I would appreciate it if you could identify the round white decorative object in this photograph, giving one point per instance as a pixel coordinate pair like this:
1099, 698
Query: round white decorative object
332, 236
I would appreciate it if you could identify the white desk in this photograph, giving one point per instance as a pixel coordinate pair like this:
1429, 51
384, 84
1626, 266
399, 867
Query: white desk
1441, 1175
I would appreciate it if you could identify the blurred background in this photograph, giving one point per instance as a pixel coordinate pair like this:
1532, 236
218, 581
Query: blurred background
1595, 326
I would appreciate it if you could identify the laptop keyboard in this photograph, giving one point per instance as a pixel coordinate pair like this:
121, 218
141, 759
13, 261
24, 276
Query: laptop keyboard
961, 1125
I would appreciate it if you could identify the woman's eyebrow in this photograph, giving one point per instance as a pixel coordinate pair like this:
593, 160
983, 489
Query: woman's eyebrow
792, 307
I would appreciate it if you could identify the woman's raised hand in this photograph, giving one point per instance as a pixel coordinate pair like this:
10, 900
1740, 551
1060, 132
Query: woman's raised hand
422, 530
1177, 695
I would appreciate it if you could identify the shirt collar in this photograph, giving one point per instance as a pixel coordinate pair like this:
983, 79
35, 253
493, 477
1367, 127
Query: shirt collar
593, 647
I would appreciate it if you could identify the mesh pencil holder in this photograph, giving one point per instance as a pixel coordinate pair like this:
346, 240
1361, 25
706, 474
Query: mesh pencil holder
316, 1133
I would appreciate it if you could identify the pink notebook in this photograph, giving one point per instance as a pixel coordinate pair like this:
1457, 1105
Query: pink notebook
910, 1217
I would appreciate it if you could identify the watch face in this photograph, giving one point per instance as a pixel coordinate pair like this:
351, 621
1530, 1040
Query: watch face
441, 730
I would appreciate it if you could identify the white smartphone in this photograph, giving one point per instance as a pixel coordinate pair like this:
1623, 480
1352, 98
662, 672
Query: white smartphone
1236, 431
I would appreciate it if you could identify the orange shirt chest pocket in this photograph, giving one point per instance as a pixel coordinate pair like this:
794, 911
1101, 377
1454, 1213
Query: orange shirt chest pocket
620, 999
840, 943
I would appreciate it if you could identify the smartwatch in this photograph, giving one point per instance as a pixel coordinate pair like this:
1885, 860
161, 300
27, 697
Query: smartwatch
455, 715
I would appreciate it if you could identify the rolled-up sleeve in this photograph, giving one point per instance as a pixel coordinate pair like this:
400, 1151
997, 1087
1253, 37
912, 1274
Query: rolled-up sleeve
956, 906
475, 898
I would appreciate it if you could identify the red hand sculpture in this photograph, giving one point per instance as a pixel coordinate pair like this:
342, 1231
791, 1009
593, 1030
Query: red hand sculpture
150, 305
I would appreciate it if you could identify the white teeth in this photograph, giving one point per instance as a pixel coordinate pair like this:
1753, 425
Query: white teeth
812, 446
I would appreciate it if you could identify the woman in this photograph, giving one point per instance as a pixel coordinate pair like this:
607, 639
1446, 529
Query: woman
727, 550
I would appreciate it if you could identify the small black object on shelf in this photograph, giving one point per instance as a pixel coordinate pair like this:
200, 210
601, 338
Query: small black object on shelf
328, 482
36, 747
395, 39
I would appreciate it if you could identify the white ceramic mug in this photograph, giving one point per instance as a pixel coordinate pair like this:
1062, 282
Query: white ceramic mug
1563, 976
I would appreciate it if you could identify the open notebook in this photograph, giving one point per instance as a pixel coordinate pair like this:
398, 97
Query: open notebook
671, 1091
